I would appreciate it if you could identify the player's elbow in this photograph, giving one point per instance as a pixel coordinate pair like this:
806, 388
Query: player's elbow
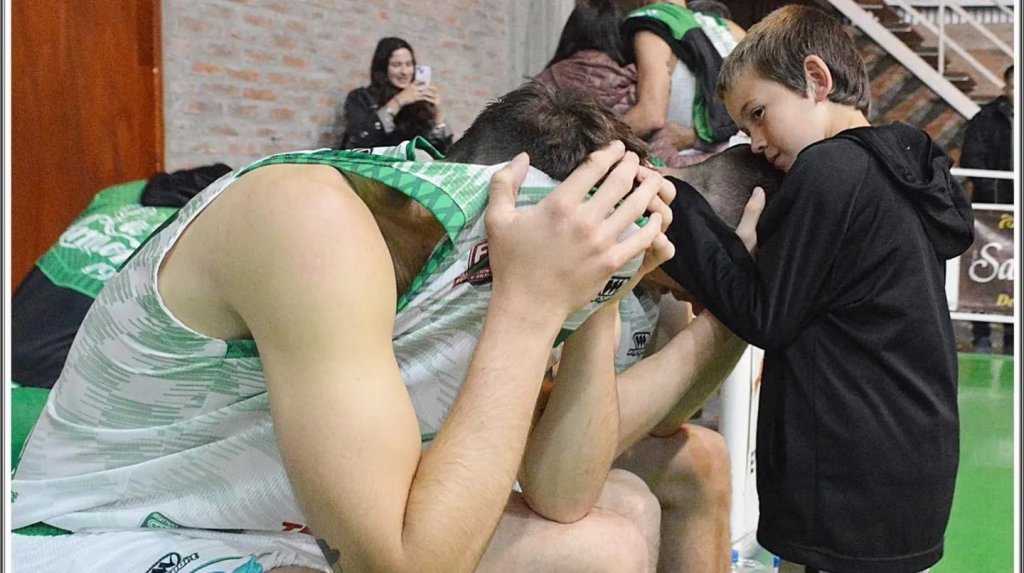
650, 120
559, 508
644, 119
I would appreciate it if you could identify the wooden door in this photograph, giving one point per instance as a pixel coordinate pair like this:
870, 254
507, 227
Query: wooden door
86, 111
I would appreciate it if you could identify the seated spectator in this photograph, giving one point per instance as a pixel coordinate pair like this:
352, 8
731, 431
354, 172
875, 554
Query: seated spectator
395, 107
678, 96
50, 303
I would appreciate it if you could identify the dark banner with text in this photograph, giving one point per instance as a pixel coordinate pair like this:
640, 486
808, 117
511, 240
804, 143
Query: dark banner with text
988, 268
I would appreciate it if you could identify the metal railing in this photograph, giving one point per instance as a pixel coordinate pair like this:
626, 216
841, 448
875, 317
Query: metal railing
928, 75
944, 40
980, 173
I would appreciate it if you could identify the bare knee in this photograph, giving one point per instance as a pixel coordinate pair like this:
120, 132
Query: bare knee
609, 543
700, 470
629, 496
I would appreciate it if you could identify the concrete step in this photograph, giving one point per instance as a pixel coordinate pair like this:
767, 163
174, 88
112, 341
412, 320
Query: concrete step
883, 13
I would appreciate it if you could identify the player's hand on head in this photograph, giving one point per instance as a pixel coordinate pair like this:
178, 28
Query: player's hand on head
662, 199
562, 252
747, 228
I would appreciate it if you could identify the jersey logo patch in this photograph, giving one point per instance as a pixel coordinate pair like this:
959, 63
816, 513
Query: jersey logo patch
640, 340
172, 563
479, 268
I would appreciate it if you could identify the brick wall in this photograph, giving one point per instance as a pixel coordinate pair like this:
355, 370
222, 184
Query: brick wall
246, 78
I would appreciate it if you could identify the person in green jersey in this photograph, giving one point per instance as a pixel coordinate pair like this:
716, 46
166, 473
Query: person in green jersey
259, 389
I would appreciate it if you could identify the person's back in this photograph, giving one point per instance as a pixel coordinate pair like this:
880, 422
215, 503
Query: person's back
676, 102
988, 144
591, 57
595, 72
858, 427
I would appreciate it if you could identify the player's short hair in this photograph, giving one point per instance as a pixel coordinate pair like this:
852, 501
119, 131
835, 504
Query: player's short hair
557, 128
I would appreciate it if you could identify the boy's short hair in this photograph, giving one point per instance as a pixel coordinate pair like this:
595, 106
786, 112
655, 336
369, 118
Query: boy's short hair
776, 46
557, 128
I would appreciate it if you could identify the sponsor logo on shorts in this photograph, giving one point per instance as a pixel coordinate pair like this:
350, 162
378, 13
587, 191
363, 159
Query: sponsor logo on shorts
640, 340
172, 563
479, 269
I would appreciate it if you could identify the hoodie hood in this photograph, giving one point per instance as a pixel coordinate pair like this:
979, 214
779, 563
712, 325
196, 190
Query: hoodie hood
921, 169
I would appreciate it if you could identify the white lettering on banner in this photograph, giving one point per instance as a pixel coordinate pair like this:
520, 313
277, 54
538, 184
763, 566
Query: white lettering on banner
987, 267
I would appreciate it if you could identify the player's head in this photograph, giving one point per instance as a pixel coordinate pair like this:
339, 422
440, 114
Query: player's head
557, 128
726, 180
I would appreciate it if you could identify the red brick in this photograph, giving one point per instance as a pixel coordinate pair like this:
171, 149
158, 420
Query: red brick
244, 75
281, 114
206, 68
235, 66
259, 94
294, 62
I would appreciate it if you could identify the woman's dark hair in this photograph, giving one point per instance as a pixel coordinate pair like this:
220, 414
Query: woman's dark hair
593, 25
380, 86
413, 119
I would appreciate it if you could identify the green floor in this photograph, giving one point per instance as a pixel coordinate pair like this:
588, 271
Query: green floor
980, 534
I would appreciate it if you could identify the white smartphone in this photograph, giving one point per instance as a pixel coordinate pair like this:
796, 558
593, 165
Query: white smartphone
423, 74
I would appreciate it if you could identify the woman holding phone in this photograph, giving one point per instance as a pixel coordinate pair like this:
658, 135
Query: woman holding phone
397, 105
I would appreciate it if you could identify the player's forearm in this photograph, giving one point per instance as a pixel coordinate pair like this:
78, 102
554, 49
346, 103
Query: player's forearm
650, 392
463, 481
572, 447
706, 382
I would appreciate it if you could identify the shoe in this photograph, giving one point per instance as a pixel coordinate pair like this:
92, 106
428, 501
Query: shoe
983, 345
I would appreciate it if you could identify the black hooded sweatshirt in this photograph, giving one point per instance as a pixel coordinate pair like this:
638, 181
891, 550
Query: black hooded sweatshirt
858, 430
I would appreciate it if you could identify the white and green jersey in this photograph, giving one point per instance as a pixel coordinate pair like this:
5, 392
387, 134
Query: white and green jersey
153, 424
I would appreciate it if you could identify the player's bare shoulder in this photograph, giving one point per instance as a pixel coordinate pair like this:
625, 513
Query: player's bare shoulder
280, 230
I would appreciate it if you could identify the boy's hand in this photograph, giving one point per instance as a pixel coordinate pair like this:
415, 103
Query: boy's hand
747, 228
559, 254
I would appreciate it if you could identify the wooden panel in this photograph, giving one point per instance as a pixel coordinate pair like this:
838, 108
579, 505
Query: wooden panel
86, 111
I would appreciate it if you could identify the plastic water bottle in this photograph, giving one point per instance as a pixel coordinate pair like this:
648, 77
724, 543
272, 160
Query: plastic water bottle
744, 565
760, 562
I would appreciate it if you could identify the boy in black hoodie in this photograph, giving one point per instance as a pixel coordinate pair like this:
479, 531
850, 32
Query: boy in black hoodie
857, 437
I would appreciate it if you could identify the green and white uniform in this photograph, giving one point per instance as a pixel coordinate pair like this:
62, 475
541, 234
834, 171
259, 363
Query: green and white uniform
153, 425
